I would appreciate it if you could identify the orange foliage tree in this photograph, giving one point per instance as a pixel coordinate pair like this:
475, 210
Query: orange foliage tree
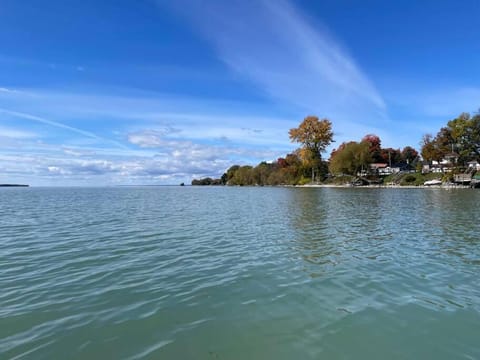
314, 135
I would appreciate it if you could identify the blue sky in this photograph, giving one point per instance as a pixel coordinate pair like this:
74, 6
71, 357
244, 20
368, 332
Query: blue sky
160, 92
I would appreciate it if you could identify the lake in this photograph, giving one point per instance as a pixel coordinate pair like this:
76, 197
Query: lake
239, 273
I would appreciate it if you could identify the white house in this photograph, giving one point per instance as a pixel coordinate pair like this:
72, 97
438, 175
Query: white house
474, 165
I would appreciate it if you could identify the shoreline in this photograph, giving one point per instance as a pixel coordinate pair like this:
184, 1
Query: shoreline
348, 186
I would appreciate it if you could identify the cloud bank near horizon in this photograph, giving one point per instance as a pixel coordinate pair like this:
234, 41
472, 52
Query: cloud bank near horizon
143, 144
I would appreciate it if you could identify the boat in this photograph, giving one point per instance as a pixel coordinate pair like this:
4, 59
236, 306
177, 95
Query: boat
432, 182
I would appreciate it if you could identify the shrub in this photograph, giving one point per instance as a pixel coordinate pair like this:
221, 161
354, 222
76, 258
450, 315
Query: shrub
410, 179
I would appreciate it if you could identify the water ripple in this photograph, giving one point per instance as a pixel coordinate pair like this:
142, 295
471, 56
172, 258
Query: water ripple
234, 273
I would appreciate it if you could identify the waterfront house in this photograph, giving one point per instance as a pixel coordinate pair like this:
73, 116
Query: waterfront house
378, 168
442, 166
474, 165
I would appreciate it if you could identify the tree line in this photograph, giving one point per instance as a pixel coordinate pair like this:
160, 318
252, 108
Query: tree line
356, 157
460, 139
307, 165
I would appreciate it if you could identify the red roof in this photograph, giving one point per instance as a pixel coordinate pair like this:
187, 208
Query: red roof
378, 165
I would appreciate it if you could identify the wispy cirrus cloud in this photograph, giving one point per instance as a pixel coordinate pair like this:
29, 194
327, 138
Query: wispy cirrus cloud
57, 124
198, 119
275, 46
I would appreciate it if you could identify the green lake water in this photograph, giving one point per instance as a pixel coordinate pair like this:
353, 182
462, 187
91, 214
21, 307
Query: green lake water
239, 273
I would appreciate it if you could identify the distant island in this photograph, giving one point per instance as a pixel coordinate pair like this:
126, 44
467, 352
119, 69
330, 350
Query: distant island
14, 185
452, 157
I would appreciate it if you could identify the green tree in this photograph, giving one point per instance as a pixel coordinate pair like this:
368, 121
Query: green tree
464, 136
261, 172
243, 176
475, 136
224, 179
314, 135
444, 142
461, 136
350, 158
231, 173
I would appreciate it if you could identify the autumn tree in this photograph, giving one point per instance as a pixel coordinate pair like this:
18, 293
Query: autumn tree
409, 154
375, 146
391, 156
314, 135
281, 162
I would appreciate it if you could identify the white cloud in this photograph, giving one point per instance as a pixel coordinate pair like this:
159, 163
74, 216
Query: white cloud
166, 144
154, 139
149, 138
169, 161
78, 152
57, 170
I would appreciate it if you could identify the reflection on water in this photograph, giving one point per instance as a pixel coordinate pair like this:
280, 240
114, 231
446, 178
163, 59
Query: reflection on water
307, 214
235, 273
338, 225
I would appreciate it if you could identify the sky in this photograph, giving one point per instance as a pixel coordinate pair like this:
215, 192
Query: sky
146, 92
